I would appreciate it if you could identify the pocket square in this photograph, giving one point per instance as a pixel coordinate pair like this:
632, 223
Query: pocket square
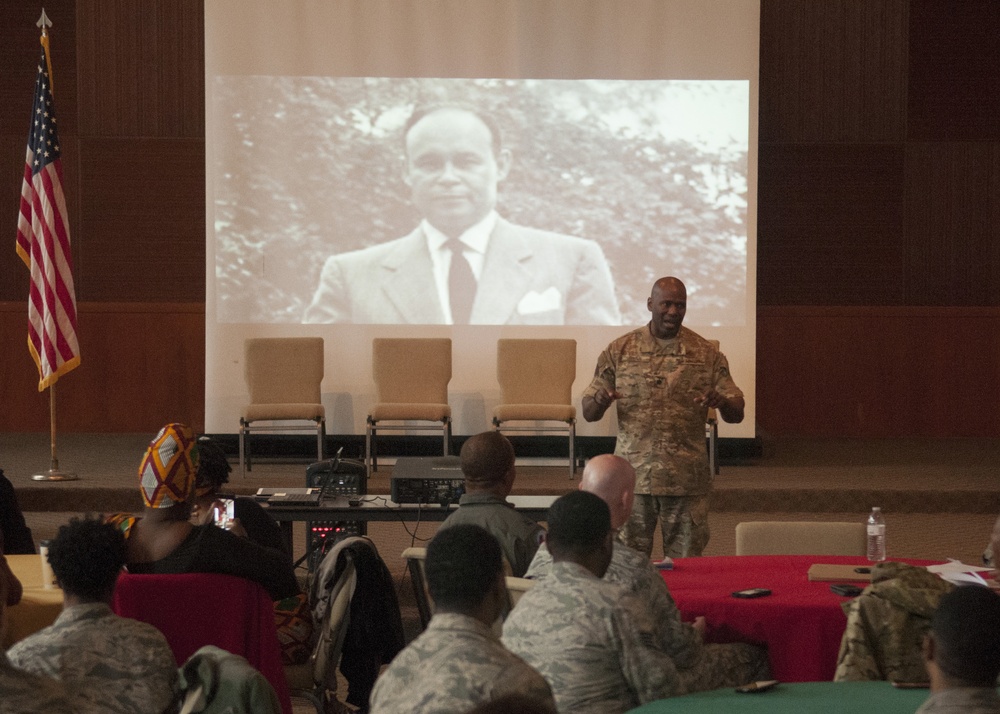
535, 301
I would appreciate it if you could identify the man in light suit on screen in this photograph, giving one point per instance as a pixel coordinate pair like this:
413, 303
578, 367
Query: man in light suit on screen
464, 264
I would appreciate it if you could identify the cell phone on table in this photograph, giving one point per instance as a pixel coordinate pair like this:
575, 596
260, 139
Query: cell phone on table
225, 513
911, 685
846, 589
751, 593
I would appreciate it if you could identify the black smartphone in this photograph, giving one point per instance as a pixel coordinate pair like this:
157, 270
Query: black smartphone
846, 589
752, 593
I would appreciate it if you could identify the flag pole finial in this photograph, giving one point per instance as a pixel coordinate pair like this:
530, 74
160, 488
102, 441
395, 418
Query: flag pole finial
44, 22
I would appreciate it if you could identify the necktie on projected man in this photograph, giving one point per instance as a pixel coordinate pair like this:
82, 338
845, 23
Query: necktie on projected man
43, 240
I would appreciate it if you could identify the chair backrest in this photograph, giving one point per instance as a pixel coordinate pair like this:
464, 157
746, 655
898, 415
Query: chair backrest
415, 558
197, 609
800, 538
536, 371
411, 370
283, 370
516, 587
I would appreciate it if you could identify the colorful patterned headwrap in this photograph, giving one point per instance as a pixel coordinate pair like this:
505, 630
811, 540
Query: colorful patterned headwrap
167, 471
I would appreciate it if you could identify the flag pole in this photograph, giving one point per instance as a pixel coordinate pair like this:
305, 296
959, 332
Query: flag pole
54, 473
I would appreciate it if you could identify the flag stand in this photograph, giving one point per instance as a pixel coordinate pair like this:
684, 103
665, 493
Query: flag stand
54, 474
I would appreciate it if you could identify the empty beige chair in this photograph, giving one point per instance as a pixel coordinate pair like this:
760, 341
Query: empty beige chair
536, 381
800, 538
283, 376
411, 384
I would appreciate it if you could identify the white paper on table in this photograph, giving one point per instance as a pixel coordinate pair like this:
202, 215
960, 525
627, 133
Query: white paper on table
958, 573
956, 566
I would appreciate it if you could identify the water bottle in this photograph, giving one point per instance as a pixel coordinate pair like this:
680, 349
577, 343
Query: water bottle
876, 536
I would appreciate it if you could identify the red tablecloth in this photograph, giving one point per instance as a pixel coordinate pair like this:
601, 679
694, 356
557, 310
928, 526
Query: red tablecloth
801, 622
197, 609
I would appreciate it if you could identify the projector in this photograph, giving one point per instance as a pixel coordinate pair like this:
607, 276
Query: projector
434, 479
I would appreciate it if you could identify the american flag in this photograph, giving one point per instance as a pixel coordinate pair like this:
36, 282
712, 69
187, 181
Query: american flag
43, 241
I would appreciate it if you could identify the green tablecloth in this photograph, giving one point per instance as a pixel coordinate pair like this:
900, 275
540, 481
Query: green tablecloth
812, 697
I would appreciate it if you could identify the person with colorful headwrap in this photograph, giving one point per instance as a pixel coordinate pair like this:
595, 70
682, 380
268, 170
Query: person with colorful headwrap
164, 540
250, 518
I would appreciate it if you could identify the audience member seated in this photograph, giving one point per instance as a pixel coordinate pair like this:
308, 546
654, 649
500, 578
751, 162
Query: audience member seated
488, 467
292, 614
457, 662
251, 520
14, 531
114, 664
165, 541
592, 640
886, 625
701, 667
962, 653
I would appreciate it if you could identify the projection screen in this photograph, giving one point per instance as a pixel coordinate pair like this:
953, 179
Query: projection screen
619, 147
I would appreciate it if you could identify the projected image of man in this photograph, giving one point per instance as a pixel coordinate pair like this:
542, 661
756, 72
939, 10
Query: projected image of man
464, 263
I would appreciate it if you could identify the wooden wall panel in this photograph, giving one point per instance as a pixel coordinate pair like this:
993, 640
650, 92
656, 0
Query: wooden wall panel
952, 227
143, 220
878, 214
878, 372
19, 62
832, 71
142, 366
142, 67
954, 71
831, 225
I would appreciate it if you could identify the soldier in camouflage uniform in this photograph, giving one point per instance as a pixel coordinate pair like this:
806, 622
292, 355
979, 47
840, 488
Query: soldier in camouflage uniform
886, 625
21, 692
458, 662
701, 667
110, 663
962, 653
591, 639
665, 378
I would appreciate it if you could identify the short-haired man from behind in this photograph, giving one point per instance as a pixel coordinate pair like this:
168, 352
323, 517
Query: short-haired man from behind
458, 663
591, 639
701, 667
962, 653
488, 467
110, 663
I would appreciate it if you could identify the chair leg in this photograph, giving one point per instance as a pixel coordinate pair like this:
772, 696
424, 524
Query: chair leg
446, 431
572, 450
320, 437
243, 469
369, 437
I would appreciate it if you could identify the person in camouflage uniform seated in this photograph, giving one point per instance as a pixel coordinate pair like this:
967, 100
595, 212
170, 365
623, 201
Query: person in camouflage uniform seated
962, 653
664, 378
592, 640
700, 666
458, 662
886, 625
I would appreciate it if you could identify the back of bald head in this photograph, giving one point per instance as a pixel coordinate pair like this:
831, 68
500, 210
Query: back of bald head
612, 478
487, 459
